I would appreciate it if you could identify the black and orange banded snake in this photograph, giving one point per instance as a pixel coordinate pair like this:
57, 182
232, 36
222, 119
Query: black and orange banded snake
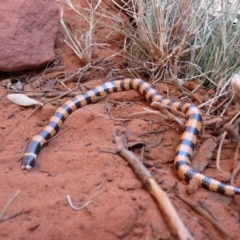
185, 147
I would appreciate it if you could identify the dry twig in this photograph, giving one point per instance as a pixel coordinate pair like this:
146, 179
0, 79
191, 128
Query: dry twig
12, 216
209, 121
221, 143
237, 169
171, 115
36, 108
8, 204
205, 214
161, 197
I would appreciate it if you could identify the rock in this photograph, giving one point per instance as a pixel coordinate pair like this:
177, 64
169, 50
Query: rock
28, 31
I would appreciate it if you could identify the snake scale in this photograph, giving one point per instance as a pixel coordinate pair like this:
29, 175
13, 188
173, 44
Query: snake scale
185, 147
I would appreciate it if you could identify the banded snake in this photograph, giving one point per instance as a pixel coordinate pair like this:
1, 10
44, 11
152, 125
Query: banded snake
185, 147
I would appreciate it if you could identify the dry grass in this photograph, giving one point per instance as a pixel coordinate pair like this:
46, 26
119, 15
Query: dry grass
174, 40
82, 39
169, 40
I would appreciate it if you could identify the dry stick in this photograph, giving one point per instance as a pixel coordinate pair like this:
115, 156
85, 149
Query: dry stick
27, 92
237, 169
191, 93
163, 201
8, 204
60, 96
171, 115
237, 139
221, 143
232, 133
52, 94
211, 102
32, 112
108, 151
173, 110
55, 69
56, 95
213, 99
66, 93
205, 214
151, 132
12, 216
51, 100
101, 115
204, 206
147, 111
108, 109
10, 115
219, 106
166, 116
215, 120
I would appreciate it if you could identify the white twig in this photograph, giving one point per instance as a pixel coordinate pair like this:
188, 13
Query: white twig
83, 206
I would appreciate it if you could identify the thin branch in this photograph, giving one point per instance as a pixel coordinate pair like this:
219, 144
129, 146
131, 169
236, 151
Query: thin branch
8, 204
201, 211
161, 197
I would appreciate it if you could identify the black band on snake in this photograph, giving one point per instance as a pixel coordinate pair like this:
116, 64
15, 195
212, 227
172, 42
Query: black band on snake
184, 150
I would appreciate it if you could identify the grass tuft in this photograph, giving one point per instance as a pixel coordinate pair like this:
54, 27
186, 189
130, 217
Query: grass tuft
169, 40
82, 40
189, 39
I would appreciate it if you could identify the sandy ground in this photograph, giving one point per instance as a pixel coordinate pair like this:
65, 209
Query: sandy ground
74, 164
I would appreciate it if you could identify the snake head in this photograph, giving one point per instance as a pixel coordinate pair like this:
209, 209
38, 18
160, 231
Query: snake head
28, 161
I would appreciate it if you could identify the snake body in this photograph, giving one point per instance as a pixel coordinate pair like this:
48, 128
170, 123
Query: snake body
185, 147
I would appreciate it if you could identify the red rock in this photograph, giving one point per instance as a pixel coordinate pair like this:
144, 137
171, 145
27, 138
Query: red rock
28, 31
